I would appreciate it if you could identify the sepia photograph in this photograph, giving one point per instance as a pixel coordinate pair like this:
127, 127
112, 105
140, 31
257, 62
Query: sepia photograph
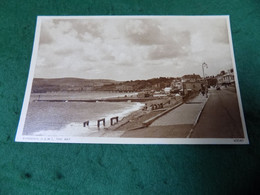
133, 80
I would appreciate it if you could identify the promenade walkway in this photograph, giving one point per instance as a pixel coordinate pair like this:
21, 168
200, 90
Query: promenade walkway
175, 124
185, 114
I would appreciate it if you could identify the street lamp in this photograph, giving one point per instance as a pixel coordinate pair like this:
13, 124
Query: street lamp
206, 66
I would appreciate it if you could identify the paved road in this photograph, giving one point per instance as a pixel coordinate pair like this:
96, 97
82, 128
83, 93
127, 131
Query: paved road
220, 117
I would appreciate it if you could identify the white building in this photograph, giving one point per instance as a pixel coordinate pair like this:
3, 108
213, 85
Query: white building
227, 78
167, 90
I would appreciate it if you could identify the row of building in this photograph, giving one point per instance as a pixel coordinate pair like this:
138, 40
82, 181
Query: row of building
194, 82
184, 84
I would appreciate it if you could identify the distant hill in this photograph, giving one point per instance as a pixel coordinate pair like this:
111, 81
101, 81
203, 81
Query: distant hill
41, 85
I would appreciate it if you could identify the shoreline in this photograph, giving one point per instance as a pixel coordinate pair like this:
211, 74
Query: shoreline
118, 99
152, 107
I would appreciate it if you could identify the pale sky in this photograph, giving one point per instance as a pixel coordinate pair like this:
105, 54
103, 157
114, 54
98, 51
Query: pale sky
132, 48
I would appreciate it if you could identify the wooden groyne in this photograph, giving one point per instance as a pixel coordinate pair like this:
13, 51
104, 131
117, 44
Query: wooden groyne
113, 121
101, 120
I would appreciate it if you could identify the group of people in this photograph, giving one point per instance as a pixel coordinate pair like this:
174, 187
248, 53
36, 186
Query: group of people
204, 89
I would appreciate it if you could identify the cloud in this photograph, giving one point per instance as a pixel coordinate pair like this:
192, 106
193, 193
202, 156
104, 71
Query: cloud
68, 51
221, 36
45, 36
163, 41
178, 45
130, 48
164, 51
144, 32
94, 28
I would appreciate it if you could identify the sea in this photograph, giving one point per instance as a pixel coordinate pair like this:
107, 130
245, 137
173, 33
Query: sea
66, 118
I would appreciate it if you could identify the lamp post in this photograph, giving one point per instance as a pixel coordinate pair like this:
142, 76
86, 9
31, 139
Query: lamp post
204, 65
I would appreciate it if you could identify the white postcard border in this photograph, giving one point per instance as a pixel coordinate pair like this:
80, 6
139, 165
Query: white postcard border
112, 140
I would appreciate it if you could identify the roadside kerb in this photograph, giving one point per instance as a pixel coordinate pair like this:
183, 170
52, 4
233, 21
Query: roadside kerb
197, 119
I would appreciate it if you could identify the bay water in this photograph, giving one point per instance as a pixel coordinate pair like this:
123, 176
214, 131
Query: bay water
66, 118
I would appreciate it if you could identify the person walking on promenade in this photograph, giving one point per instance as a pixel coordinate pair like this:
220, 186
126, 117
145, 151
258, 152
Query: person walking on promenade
206, 90
202, 90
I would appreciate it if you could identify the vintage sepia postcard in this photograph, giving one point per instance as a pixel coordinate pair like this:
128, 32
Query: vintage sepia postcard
133, 80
